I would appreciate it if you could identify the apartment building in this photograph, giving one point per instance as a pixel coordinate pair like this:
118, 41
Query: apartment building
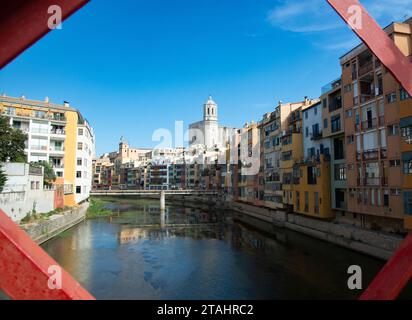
376, 163
158, 177
333, 116
292, 150
85, 154
249, 166
52, 136
311, 176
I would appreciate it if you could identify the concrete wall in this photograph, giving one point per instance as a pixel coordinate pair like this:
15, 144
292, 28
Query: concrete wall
24, 192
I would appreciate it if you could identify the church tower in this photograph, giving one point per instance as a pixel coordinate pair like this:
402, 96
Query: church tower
210, 110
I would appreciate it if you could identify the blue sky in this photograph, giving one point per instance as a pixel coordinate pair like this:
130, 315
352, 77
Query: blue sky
133, 66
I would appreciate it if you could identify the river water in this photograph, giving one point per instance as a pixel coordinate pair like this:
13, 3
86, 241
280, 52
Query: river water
189, 253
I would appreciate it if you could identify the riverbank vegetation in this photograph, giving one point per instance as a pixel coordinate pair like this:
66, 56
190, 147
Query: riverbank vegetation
98, 209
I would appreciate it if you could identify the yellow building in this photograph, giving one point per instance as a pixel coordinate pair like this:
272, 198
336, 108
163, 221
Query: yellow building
312, 188
56, 134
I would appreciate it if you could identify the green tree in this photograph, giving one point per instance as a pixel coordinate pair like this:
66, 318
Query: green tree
49, 175
12, 142
3, 179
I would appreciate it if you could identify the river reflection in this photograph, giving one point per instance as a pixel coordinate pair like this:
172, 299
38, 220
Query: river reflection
186, 253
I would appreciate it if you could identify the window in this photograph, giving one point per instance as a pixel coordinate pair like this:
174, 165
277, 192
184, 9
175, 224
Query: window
33, 185
79, 161
386, 198
347, 88
312, 173
307, 132
306, 115
393, 130
78, 190
325, 123
335, 123
306, 201
350, 139
407, 198
349, 113
391, 97
407, 167
396, 192
78, 174
403, 94
324, 102
316, 111
317, 201
297, 201
79, 146
80, 131
395, 163
340, 172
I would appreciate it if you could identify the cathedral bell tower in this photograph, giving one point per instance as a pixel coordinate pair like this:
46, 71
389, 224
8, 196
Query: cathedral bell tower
210, 110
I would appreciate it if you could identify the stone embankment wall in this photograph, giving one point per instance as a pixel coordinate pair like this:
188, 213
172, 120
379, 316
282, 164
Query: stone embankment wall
45, 230
373, 243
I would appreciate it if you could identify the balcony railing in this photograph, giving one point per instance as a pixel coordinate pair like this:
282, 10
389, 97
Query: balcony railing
372, 181
366, 68
57, 149
317, 135
371, 154
58, 131
40, 130
331, 86
38, 148
365, 98
369, 124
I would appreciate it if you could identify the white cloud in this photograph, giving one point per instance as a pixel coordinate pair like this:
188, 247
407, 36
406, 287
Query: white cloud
311, 16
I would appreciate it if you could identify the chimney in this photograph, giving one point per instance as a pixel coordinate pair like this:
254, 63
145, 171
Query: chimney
307, 101
47, 100
66, 104
22, 97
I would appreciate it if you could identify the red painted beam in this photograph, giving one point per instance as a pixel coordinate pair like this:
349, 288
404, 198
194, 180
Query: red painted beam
394, 276
27, 272
23, 22
382, 46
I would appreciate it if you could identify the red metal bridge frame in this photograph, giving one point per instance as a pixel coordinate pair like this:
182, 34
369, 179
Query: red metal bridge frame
398, 271
24, 266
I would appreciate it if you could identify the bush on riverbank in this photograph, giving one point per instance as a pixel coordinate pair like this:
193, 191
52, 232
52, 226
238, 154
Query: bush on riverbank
97, 209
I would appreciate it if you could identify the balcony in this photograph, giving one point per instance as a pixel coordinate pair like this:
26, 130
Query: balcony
370, 154
316, 136
366, 68
371, 181
365, 98
369, 124
40, 131
384, 153
56, 149
296, 180
384, 182
58, 132
335, 84
38, 148
381, 121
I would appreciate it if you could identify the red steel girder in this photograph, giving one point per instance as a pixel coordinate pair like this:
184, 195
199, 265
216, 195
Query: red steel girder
23, 22
377, 40
25, 267
394, 276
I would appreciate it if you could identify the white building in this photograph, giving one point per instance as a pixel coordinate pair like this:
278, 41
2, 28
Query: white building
24, 191
313, 143
208, 133
85, 154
